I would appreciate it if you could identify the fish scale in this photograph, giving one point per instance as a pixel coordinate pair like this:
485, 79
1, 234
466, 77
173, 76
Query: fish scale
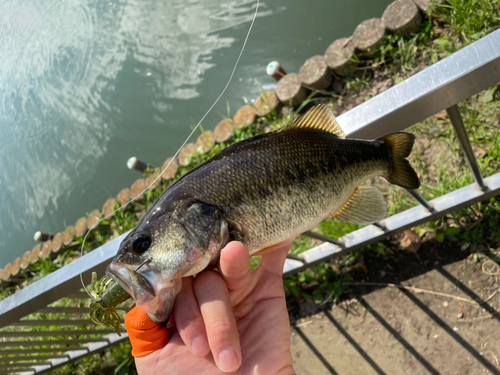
263, 191
283, 180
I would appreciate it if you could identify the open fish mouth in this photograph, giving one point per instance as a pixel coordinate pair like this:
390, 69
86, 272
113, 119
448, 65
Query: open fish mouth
135, 283
153, 294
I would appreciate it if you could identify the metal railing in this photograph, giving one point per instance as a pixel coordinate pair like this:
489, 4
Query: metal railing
441, 86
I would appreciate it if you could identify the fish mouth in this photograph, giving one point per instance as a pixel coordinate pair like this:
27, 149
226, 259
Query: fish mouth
140, 287
153, 294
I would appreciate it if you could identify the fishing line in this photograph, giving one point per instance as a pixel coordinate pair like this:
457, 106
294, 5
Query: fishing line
179, 150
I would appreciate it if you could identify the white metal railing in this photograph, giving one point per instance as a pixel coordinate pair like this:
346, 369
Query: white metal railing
441, 86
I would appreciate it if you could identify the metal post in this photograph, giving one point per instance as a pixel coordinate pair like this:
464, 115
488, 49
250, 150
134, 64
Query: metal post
323, 238
418, 197
43, 237
458, 125
134, 163
275, 70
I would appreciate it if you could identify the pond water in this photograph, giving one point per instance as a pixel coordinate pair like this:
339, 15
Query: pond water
86, 84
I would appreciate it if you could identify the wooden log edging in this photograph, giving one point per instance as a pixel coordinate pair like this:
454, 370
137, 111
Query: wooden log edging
93, 219
402, 17
290, 90
245, 116
8, 270
223, 131
4, 274
25, 260
16, 267
368, 35
339, 56
57, 243
46, 249
35, 253
107, 209
153, 180
68, 235
123, 197
171, 171
315, 73
137, 189
205, 142
81, 227
266, 103
185, 154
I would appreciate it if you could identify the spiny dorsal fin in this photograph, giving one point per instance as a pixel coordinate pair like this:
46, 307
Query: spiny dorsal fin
319, 117
365, 206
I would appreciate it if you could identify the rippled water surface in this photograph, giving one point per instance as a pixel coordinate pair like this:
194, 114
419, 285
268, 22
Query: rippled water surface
85, 84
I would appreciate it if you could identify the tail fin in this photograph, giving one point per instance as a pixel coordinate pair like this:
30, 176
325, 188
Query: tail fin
400, 171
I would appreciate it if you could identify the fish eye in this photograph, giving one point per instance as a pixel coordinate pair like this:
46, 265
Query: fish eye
140, 242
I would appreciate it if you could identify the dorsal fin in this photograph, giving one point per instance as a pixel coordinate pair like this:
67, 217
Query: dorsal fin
319, 117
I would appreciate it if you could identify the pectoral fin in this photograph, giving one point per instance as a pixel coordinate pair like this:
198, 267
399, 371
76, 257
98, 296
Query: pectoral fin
365, 206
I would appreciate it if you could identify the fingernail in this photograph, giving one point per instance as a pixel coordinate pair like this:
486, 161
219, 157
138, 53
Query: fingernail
199, 346
228, 360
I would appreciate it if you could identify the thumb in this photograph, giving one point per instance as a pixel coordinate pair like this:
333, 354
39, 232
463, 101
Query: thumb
235, 265
275, 261
145, 335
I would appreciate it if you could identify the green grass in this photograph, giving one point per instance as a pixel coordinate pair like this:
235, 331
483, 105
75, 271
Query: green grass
470, 19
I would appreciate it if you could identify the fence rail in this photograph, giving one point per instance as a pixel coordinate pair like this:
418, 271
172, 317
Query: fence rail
439, 87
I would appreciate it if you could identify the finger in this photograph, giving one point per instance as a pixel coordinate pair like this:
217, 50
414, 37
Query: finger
145, 335
189, 321
235, 266
213, 297
275, 261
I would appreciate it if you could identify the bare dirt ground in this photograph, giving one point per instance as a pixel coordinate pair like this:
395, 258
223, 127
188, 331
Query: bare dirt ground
385, 330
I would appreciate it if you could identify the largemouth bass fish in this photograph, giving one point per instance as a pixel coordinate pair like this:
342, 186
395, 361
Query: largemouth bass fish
263, 191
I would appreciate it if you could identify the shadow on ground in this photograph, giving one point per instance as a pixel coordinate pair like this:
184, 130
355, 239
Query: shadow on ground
386, 330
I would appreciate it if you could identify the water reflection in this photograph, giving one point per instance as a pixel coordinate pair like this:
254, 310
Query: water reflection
59, 63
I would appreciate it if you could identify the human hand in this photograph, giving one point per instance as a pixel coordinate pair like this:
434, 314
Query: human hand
232, 321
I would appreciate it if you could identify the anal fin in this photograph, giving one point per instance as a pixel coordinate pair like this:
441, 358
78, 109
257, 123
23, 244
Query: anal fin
365, 206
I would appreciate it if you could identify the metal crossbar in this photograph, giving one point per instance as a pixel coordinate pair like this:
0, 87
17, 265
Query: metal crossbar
441, 86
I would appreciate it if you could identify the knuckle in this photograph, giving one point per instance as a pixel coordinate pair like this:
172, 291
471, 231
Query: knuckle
188, 319
220, 328
207, 283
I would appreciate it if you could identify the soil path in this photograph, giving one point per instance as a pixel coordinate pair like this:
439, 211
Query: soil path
394, 331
